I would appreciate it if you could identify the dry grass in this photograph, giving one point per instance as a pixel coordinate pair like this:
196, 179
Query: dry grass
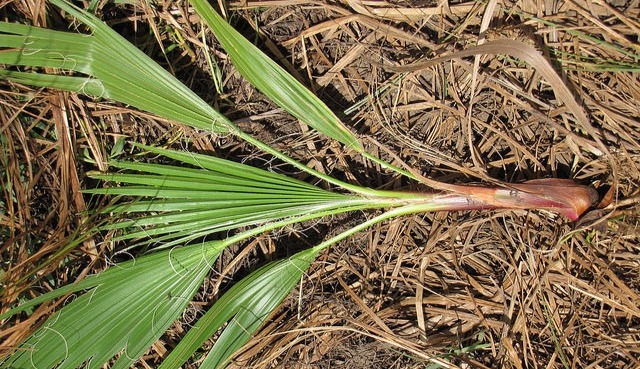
509, 289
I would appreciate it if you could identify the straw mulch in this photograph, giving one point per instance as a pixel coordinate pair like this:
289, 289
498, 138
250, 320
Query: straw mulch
512, 289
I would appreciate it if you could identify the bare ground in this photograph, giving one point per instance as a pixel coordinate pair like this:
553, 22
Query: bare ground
512, 289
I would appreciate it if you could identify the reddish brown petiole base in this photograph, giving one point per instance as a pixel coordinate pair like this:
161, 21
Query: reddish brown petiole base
561, 195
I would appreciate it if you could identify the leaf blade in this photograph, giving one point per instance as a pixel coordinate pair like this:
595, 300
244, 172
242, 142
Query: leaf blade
274, 81
249, 302
112, 317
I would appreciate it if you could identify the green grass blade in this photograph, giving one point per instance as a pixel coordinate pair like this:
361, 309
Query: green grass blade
273, 80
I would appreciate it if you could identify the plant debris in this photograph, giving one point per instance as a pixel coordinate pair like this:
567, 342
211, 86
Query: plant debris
501, 288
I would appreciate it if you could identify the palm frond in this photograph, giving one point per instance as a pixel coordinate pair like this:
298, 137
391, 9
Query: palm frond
274, 81
217, 195
111, 67
127, 309
244, 308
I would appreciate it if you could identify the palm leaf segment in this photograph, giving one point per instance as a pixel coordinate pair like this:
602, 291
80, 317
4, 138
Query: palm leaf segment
127, 309
116, 69
216, 195
112, 66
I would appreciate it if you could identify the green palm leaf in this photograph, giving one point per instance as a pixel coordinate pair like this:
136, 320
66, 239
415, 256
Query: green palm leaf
112, 66
218, 195
128, 308
244, 307
273, 80
117, 70
247, 305
131, 305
